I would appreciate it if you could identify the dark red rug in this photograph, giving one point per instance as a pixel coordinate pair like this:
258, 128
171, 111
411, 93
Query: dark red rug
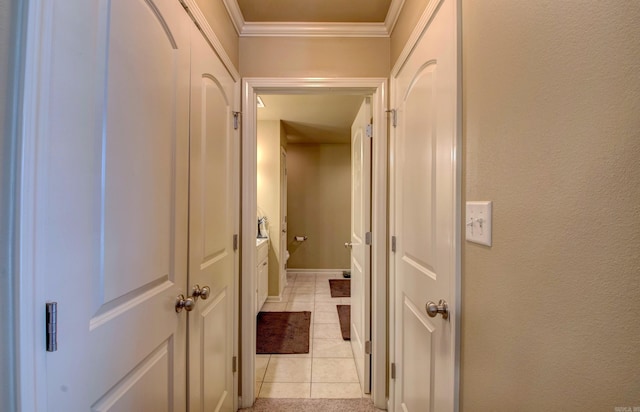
340, 288
283, 332
344, 314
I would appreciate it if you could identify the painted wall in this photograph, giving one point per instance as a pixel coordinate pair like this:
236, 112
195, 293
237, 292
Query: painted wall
217, 16
314, 57
551, 110
319, 205
269, 132
409, 15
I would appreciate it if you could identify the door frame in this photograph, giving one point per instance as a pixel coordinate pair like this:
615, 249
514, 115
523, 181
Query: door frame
377, 88
456, 281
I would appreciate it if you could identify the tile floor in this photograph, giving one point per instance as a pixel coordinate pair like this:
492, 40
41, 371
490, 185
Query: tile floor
328, 370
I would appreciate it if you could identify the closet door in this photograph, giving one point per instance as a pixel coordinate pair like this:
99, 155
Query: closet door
213, 216
112, 200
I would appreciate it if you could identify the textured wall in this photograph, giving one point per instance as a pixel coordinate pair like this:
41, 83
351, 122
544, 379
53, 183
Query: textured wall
314, 57
319, 205
217, 16
551, 111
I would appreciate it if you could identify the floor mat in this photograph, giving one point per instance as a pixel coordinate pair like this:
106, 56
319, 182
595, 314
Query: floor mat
340, 288
283, 332
344, 314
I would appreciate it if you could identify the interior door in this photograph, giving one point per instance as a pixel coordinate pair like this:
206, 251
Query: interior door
283, 219
360, 250
424, 217
213, 207
112, 203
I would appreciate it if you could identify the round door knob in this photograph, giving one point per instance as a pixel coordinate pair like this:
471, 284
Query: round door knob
187, 304
205, 292
442, 308
348, 245
200, 292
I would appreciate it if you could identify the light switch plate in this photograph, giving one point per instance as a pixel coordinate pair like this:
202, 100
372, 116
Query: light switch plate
478, 222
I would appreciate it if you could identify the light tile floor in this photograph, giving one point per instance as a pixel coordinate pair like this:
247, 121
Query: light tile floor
328, 370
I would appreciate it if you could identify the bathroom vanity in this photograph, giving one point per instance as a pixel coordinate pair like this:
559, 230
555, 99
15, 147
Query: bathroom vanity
262, 272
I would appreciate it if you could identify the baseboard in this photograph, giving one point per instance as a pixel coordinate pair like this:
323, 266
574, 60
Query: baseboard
273, 299
292, 270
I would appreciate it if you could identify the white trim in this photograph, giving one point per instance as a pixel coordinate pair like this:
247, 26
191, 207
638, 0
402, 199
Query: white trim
198, 17
392, 15
428, 13
311, 29
304, 29
274, 299
233, 9
30, 349
377, 87
316, 270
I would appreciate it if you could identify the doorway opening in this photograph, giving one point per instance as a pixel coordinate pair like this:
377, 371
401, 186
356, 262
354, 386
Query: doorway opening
311, 193
305, 285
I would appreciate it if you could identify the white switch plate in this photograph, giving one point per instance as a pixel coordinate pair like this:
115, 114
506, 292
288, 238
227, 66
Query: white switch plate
478, 222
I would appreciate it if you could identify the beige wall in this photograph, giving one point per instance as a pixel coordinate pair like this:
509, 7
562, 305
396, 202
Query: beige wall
268, 179
551, 108
410, 14
314, 57
319, 205
217, 16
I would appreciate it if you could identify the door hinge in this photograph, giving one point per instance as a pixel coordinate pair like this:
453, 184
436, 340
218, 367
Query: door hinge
394, 116
369, 130
52, 326
234, 364
235, 242
393, 244
236, 115
367, 238
367, 347
393, 371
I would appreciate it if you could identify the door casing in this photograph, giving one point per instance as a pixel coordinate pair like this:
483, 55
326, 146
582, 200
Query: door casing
377, 88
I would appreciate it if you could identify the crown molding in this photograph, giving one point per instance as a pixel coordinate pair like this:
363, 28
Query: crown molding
309, 29
299, 29
235, 13
392, 15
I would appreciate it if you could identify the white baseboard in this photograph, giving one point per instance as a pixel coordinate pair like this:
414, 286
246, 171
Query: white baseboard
292, 270
273, 299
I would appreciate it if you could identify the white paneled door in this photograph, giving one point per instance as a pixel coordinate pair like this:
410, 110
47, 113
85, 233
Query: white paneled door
360, 250
213, 263
136, 204
112, 199
424, 214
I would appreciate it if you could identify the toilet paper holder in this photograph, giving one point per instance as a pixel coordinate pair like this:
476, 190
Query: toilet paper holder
301, 238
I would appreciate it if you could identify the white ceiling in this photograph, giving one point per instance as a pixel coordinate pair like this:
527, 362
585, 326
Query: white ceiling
315, 118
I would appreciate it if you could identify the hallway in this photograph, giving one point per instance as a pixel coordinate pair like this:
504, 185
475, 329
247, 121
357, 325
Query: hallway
328, 370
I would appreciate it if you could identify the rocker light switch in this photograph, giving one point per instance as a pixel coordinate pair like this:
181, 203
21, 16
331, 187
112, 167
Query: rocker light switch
478, 222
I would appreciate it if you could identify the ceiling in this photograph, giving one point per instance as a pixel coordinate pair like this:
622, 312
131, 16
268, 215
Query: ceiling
314, 118
319, 11
315, 18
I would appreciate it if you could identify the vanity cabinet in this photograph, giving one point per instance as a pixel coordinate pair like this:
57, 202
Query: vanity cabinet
262, 274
